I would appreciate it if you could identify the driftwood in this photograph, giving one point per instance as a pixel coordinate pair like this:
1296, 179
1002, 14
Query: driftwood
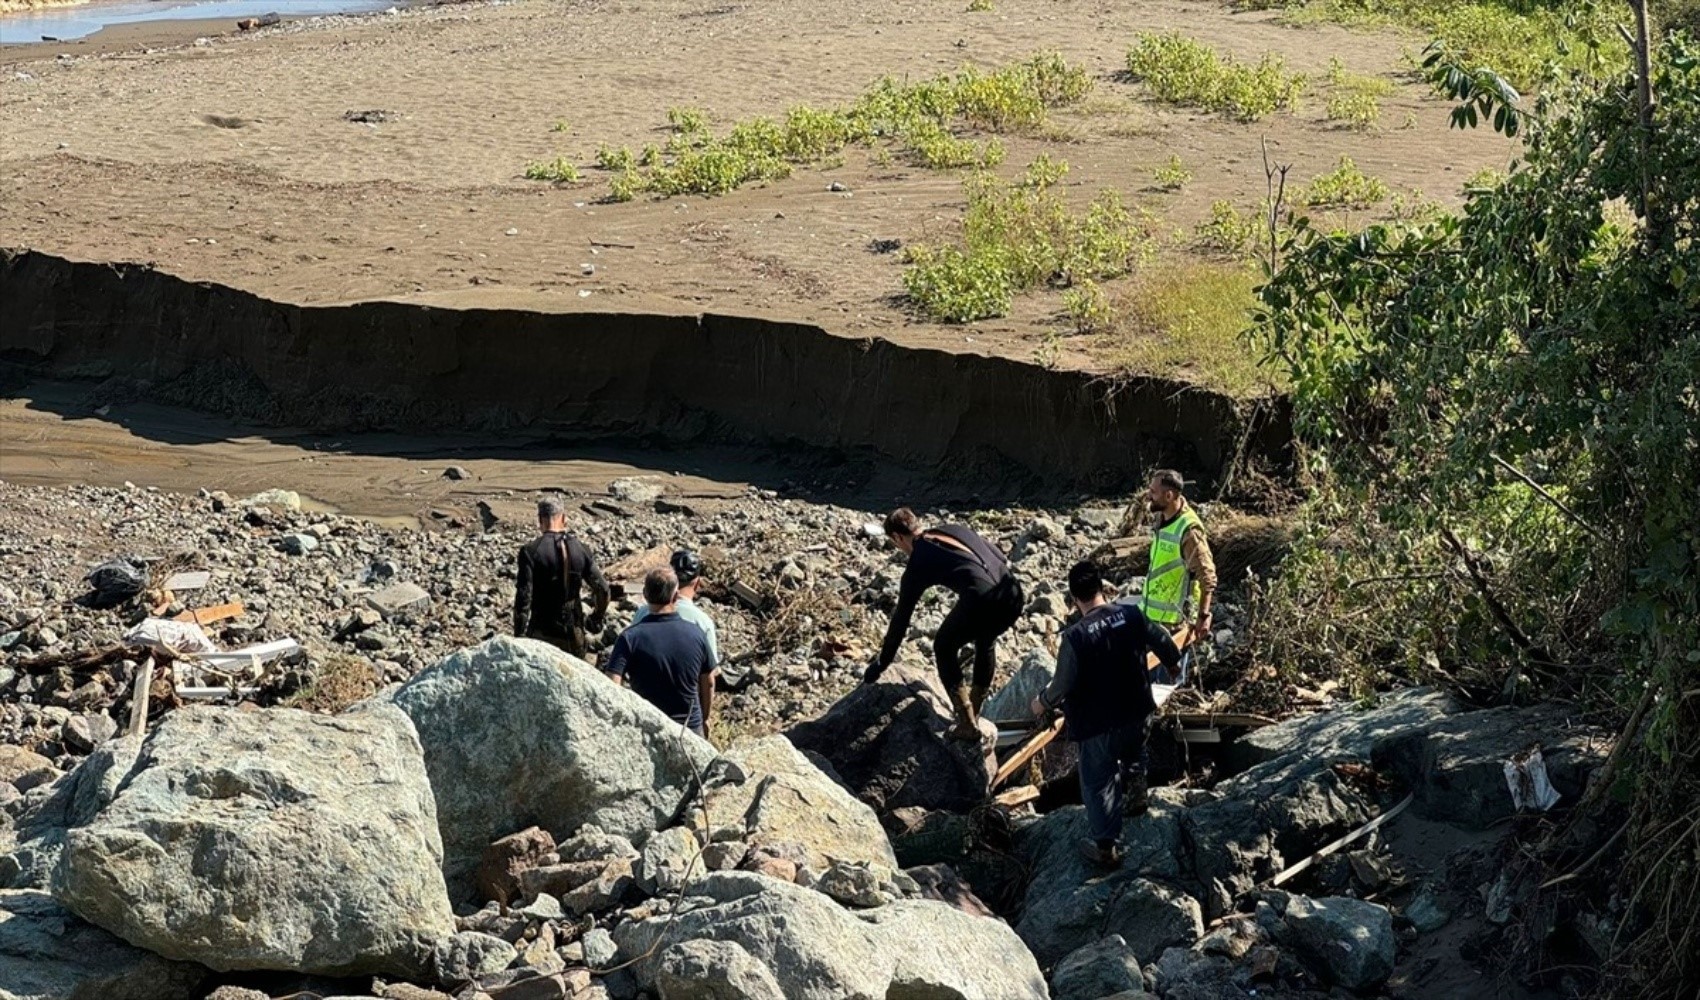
1027, 751
1331, 847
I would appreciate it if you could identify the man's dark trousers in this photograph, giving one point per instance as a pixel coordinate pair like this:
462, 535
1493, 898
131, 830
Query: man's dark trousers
1107, 763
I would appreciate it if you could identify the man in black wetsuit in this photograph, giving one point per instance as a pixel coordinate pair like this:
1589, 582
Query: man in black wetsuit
988, 602
553, 571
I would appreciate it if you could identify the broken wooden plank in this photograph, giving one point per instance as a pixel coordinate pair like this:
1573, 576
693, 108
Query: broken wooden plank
745, 594
139, 692
1198, 735
1035, 743
216, 613
1331, 847
1235, 719
1009, 798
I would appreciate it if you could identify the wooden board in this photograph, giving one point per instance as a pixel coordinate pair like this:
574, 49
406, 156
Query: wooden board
217, 613
1035, 743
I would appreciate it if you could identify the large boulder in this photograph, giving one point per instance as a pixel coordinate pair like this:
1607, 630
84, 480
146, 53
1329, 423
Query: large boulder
518, 734
48, 953
1292, 799
813, 949
1101, 969
270, 839
1070, 904
1344, 941
1456, 765
772, 792
49, 811
887, 742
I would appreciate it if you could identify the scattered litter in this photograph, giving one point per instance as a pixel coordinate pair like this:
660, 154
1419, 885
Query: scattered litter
192, 580
116, 581
1526, 776
161, 635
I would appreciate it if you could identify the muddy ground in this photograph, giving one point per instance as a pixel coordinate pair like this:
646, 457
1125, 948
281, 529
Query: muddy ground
229, 157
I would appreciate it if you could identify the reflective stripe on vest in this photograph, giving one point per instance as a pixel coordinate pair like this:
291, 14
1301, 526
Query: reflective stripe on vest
1168, 583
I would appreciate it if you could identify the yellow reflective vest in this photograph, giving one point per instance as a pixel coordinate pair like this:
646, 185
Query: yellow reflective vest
1169, 583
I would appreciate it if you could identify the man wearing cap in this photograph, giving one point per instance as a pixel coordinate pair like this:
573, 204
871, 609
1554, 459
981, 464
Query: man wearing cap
666, 659
687, 565
553, 571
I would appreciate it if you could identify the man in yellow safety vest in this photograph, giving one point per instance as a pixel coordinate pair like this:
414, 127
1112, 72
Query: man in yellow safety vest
1181, 581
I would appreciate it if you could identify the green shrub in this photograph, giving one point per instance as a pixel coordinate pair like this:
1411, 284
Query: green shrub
979, 6
1179, 70
1230, 232
560, 125
934, 147
619, 160
1087, 306
1355, 109
1344, 187
687, 120
1018, 236
625, 187
650, 156
1173, 175
1189, 320
1043, 172
559, 170
955, 286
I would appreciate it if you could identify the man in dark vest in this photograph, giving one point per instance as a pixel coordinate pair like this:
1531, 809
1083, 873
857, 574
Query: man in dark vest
1104, 690
553, 571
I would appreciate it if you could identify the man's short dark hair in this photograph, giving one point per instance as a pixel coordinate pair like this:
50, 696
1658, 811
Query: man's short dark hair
549, 508
1169, 479
661, 587
1085, 580
902, 521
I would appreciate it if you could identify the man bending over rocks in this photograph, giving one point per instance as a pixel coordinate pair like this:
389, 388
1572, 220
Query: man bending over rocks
1105, 692
988, 601
553, 571
665, 658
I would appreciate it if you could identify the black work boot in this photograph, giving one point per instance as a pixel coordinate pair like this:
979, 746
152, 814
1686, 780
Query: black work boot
1136, 797
1102, 853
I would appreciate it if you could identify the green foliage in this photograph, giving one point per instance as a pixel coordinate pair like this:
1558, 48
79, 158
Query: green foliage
560, 170
1043, 172
1344, 187
979, 6
1088, 307
917, 118
1180, 70
1230, 232
1500, 407
1526, 41
1016, 237
1189, 320
1354, 109
1173, 175
560, 125
619, 160
687, 121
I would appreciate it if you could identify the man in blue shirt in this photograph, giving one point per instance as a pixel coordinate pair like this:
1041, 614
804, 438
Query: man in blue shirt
666, 659
687, 565
1104, 689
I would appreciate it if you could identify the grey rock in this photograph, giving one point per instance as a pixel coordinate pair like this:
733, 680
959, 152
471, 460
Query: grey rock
1100, 969
665, 861
723, 855
400, 601
853, 885
1070, 905
592, 843
1345, 941
714, 970
777, 795
1455, 765
1426, 912
599, 948
517, 733
636, 489
1049, 605
1014, 700
246, 840
48, 953
887, 742
456, 473
815, 949
25, 769
544, 907
85, 732
297, 543
463, 957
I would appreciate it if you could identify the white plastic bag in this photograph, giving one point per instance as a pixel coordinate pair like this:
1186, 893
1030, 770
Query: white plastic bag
1526, 776
162, 635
